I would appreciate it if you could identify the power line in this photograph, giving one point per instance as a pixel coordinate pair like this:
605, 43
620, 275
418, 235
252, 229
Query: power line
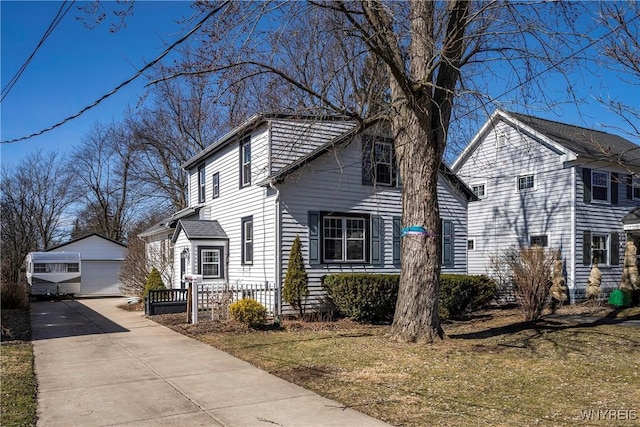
47, 33
124, 83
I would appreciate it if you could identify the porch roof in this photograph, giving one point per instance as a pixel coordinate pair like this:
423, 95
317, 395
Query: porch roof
199, 229
632, 217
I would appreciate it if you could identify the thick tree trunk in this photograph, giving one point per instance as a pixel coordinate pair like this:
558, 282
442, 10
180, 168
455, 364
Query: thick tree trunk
416, 318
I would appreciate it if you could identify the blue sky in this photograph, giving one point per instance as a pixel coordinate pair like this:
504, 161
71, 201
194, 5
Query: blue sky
77, 65
74, 67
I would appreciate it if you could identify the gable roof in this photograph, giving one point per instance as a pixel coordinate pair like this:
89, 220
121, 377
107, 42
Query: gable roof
85, 237
199, 229
249, 126
345, 138
585, 142
575, 141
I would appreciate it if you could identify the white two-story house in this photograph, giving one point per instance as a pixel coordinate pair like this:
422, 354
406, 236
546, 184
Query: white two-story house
279, 176
564, 187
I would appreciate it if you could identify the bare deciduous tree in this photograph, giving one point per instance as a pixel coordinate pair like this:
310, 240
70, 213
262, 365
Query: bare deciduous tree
102, 174
35, 197
435, 55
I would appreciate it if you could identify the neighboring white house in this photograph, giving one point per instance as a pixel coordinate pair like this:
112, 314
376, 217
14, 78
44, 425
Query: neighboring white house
276, 177
101, 260
541, 182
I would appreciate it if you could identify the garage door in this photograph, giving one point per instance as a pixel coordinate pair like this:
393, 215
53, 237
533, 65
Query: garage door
100, 278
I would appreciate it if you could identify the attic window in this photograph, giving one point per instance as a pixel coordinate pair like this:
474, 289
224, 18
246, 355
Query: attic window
501, 140
526, 182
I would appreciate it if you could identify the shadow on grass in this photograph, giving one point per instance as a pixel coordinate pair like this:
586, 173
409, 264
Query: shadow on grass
553, 323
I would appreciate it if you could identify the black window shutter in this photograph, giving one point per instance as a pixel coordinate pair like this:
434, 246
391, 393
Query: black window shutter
447, 243
367, 160
629, 187
586, 247
586, 181
240, 165
615, 249
377, 255
314, 237
614, 188
397, 228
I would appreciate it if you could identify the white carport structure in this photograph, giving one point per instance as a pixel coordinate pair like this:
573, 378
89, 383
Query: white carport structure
101, 260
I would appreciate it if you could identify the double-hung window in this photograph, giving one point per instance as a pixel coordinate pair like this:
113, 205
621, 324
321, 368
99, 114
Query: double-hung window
211, 263
600, 186
245, 163
215, 183
201, 184
344, 238
378, 162
526, 182
600, 249
383, 157
247, 240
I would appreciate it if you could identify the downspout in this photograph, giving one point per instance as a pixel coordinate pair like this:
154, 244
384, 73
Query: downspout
278, 266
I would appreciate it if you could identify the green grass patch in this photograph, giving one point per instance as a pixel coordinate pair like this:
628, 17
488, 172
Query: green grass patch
491, 370
18, 389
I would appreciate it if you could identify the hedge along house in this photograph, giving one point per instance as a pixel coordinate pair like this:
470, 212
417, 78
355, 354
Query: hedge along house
276, 177
101, 260
555, 185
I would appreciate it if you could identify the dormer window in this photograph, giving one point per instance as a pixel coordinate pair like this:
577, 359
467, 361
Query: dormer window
378, 162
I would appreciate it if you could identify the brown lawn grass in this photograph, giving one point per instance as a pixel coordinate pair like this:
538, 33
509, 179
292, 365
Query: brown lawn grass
491, 370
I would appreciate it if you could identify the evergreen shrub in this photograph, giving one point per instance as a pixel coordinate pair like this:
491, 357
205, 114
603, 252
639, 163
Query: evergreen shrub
154, 282
295, 289
248, 311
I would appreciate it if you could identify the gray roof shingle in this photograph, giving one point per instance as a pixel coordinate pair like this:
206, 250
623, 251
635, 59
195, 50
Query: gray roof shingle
585, 142
201, 229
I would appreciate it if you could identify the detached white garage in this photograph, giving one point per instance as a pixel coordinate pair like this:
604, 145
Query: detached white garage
100, 260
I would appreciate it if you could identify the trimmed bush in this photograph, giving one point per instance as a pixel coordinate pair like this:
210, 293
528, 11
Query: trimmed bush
154, 282
372, 297
248, 311
461, 294
364, 297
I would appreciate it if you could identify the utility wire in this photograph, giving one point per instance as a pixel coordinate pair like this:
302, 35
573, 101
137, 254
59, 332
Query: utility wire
56, 20
126, 82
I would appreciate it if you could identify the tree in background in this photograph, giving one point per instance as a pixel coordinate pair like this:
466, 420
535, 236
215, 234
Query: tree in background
102, 183
295, 289
34, 201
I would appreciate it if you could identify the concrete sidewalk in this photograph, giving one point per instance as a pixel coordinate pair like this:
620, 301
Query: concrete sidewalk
97, 365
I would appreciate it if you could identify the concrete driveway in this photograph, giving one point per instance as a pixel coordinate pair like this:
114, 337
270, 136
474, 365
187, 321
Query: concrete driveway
97, 365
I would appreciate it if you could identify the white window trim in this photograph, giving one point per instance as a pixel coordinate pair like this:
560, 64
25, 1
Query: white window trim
202, 184
218, 263
477, 184
593, 199
523, 190
215, 184
365, 239
247, 239
531, 236
607, 240
246, 177
474, 241
501, 139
